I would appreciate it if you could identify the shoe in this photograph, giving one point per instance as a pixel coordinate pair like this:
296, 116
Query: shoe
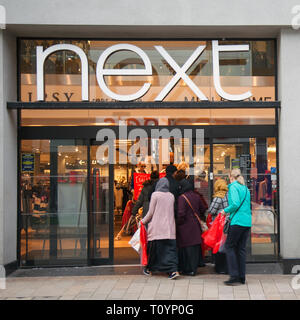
173, 275
189, 273
232, 282
147, 272
242, 280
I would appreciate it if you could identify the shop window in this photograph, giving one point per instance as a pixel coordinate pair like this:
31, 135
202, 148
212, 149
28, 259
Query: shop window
148, 117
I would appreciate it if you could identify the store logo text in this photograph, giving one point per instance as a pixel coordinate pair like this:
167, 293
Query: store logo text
101, 72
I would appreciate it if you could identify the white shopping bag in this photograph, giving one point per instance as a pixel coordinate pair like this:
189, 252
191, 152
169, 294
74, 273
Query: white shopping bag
135, 241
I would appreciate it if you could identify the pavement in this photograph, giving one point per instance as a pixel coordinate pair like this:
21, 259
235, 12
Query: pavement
128, 283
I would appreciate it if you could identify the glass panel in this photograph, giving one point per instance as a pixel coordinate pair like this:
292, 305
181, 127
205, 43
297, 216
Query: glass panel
264, 232
71, 199
202, 170
35, 200
53, 200
148, 117
256, 157
239, 71
129, 180
99, 205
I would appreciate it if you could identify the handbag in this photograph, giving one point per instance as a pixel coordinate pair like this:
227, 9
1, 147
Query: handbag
203, 225
228, 221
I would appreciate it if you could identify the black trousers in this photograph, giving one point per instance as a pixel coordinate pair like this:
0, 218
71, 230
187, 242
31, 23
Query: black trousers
235, 247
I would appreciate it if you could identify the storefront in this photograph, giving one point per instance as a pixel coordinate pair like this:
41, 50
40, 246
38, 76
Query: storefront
77, 95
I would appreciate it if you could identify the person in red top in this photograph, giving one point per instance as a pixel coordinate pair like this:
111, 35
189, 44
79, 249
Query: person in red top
128, 221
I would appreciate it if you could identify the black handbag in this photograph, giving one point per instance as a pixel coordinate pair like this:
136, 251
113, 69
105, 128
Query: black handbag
228, 221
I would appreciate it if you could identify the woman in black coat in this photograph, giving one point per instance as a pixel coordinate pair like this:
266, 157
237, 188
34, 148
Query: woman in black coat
188, 231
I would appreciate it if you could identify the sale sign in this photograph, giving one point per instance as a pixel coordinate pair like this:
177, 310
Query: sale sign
139, 179
162, 175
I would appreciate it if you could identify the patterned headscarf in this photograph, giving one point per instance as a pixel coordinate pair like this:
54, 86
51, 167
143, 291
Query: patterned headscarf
220, 188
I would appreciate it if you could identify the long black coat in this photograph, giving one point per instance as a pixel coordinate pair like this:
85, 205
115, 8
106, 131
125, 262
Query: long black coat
188, 231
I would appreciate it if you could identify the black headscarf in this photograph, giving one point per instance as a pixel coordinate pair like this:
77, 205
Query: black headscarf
186, 185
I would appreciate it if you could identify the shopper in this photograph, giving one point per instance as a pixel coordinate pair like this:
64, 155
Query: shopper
143, 200
190, 208
220, 202
241, 221
173, 184
161, 232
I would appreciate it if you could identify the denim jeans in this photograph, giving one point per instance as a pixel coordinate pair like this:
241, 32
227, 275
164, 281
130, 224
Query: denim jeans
235, 247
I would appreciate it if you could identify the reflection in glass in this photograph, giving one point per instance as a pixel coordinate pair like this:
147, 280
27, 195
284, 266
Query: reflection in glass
148, 117
99, 201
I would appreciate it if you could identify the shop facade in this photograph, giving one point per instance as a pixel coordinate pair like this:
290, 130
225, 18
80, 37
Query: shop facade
82, 107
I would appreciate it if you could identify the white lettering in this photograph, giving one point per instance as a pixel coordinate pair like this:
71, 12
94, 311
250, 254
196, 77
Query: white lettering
180, 73
216, 48
101, 72
40, 60
296, 18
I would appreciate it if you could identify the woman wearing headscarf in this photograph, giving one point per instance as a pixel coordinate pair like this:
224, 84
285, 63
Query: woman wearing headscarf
161, 232
220, 202
190, 208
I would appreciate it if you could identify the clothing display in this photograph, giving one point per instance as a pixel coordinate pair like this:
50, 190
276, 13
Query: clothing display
118, 194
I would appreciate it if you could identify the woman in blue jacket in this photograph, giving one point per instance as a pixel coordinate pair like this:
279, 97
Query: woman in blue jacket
239, 210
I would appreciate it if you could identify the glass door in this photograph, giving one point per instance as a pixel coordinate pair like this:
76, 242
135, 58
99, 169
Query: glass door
68, 201
100, 207
256, 158
54, 207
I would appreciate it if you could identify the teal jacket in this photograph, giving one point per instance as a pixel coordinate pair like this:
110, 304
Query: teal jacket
236, 194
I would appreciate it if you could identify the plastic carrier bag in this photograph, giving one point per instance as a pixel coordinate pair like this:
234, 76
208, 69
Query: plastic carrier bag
135, 241
213, 237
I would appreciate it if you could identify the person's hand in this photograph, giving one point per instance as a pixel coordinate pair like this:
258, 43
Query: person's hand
223, 213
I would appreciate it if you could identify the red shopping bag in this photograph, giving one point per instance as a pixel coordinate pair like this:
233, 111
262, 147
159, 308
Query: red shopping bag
209, 220
221, 237
212, 237
143, 240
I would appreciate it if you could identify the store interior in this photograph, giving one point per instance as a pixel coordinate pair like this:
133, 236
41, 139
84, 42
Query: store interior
70, 229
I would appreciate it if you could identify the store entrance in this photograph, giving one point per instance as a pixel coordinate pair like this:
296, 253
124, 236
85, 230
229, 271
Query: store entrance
75, 206
115, 188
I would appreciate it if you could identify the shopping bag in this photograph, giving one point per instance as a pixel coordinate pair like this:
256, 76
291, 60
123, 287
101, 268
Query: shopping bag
213, 235
135, 241
222, 243
210, 236
220, 235
209, 220
143, 241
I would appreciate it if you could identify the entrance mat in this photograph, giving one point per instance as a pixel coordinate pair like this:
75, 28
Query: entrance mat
126, 256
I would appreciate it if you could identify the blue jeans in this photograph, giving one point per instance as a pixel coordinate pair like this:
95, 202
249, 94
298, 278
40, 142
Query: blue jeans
235, 247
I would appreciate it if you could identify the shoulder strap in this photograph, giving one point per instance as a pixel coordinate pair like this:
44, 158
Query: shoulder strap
187, 200
241, 203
